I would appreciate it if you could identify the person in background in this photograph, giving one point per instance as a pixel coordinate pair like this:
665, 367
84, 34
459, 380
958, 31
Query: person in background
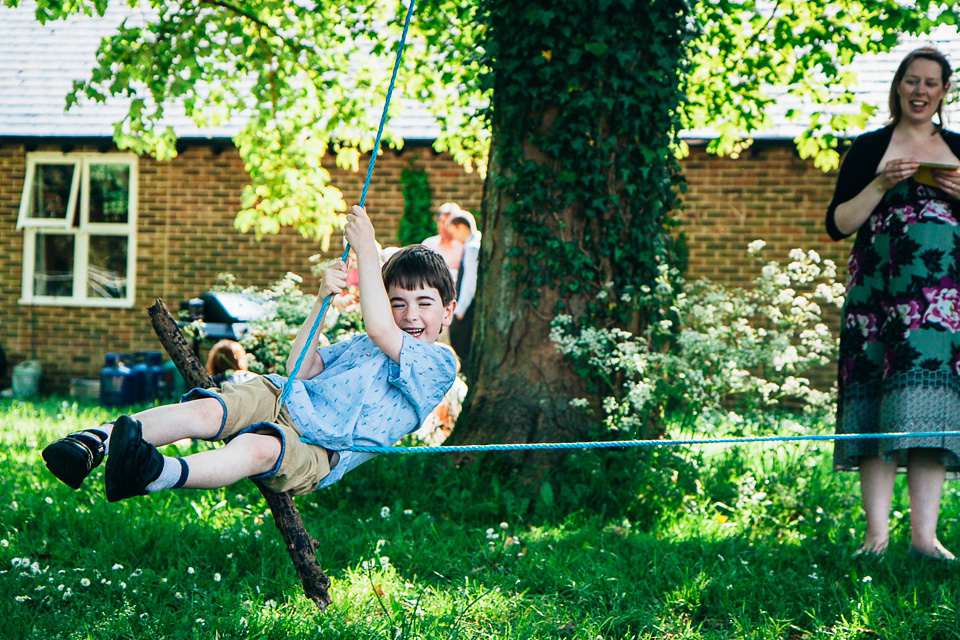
463, 227
899, 362
227, 362
443, 243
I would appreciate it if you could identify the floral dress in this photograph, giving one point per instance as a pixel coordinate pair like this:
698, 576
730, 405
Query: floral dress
899, 365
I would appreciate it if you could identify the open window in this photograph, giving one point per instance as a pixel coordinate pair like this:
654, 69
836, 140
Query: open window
78, 217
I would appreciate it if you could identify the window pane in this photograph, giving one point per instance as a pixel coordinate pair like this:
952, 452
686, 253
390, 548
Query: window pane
53, 267
50, 191
107, 269
109, 192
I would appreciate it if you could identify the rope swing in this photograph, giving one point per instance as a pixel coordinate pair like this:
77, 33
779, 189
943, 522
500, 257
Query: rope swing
288, 385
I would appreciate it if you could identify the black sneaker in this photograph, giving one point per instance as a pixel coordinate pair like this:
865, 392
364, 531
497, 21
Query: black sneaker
133, 463
73, 457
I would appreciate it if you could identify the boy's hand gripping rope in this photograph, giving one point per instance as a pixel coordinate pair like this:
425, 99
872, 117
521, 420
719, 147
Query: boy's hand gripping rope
363, 198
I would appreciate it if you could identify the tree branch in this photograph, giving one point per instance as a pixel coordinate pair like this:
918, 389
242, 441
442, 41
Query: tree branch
294, 46
300, 545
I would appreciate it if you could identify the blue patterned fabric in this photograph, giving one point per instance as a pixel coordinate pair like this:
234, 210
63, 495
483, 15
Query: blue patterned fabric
362, 397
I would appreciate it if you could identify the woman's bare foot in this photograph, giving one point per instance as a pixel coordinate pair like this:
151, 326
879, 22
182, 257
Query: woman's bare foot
936, 552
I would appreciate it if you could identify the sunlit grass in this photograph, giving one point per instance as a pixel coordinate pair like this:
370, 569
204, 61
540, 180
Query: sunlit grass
761, 547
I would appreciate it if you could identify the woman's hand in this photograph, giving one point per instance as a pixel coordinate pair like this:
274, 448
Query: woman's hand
898, 170
949, 181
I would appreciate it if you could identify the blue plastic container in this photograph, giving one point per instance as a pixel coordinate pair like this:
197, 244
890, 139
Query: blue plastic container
161, 387
176, 386
143, 381
117, 384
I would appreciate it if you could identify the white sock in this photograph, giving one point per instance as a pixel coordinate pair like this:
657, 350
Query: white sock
173, 476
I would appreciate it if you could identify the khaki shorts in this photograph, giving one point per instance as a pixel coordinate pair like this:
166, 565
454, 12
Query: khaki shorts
254, 407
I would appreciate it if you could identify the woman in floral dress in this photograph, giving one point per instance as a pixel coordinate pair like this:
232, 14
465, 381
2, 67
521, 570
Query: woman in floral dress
899, 368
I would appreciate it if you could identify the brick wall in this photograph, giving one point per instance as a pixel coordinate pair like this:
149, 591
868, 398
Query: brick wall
768, 193
186, 236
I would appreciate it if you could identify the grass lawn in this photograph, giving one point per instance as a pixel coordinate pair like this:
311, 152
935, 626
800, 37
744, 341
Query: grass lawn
760, 546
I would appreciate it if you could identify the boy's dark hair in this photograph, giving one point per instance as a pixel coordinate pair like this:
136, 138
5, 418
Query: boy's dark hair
417, 266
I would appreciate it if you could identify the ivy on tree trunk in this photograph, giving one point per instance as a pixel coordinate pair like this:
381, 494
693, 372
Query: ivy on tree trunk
580, 180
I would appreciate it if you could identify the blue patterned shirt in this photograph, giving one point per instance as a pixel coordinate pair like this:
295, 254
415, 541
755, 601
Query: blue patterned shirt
362, 397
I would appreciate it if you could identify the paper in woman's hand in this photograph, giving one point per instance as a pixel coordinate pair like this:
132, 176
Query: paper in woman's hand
924, 174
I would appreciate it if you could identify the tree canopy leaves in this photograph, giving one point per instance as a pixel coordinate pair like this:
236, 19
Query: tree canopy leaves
749, 54
308, 78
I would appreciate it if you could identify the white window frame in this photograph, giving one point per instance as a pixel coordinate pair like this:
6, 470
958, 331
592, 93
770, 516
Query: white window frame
78, 204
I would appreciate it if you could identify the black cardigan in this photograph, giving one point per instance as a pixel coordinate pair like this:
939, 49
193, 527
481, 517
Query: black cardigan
859, 168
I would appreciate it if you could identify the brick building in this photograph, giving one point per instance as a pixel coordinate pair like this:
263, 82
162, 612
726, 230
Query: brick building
184, 235
183, 238
769, 193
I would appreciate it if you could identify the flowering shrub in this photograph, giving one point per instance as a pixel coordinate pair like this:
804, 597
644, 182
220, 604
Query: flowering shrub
270, 336
714, 345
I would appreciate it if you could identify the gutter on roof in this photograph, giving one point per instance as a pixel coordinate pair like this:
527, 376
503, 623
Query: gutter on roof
97, 141
105, 143
763, 143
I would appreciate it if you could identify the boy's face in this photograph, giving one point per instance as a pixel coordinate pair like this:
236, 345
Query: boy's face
420, 312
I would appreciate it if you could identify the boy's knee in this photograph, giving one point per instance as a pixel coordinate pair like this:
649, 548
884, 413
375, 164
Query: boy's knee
262, 448
210, 408
208, 415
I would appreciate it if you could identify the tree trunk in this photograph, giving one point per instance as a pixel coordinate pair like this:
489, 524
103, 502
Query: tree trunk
520, 386
580, 178
300, 545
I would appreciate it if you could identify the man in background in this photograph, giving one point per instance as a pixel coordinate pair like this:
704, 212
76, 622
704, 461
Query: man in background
463, 227
449, 248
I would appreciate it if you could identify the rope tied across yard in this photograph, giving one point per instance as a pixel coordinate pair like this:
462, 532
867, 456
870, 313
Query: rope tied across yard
626, 444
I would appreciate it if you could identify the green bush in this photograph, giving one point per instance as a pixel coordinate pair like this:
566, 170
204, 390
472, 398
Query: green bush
417, 221
286, 307
714, 347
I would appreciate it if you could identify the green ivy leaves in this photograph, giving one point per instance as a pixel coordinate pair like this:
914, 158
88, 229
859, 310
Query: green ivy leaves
584, 109
417, 221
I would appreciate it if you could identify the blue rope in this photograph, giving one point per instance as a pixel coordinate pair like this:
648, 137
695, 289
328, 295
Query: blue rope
618, 444
363, 199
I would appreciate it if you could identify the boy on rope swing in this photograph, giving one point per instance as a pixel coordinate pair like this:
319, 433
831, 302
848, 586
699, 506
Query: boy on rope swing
370, 390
